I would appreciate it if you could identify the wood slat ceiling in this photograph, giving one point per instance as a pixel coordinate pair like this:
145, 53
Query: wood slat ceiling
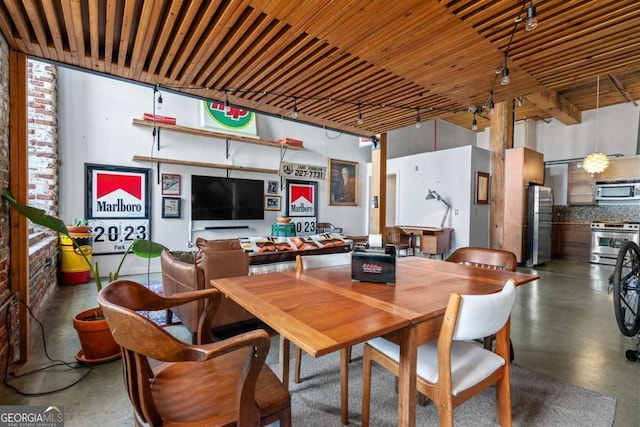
388, 60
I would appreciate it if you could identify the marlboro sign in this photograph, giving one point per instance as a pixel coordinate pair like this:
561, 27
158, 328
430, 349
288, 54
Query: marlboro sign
117, 192
302, 198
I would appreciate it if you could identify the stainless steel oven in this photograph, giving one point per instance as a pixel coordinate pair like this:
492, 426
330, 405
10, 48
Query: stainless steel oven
607, 238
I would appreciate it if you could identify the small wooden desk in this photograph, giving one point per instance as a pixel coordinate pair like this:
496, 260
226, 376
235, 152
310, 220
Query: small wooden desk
297, 303
433, 240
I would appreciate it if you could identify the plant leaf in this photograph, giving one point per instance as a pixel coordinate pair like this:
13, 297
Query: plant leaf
146, 248
37, 216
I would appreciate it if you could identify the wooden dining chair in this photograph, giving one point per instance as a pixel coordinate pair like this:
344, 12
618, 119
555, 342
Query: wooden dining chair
306, 262
495, 259
401, 240
450, 370
209, 383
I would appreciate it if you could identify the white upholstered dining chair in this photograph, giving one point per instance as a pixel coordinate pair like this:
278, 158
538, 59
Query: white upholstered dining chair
452, 369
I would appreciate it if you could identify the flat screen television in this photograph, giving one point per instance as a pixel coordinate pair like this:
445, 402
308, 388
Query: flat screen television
218, 198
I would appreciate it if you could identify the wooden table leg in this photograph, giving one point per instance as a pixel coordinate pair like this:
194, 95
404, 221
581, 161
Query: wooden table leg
344, 384
407, 381
285, 349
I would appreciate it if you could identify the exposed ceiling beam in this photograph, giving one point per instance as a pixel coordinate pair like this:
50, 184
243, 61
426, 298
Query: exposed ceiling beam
558, 107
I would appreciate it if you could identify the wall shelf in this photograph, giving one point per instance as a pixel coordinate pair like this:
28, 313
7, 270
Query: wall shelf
211, 134
203, 164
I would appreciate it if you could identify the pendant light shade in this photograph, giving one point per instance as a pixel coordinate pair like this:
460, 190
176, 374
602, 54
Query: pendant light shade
595, 163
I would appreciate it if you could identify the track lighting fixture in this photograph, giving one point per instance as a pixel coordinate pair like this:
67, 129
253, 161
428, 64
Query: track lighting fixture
532, 22
159, 100
295, 108
505, 76
360, 118
418, 121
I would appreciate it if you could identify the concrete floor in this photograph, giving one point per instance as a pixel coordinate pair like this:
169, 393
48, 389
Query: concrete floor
563, 325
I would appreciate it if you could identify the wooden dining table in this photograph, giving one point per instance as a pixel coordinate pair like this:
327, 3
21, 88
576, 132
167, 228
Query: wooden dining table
322, 310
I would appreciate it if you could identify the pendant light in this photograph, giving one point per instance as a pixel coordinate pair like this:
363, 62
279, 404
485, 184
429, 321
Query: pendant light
596, 162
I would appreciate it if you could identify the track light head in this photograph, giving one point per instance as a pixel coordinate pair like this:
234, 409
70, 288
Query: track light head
532, 22
505, 76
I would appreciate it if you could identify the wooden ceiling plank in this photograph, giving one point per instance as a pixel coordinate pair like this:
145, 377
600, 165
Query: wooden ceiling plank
37, 21
94, 32
22, 24
53, 23
123, 47
189, 49
166, 29
5, 27
78, 35
172, 54
67, 16
297, 56
239, 49
109, 34
147, 28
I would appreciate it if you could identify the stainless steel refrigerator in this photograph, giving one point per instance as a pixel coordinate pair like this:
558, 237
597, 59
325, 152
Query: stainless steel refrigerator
540, 213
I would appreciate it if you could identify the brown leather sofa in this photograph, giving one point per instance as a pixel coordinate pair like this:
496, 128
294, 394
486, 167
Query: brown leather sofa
188, 271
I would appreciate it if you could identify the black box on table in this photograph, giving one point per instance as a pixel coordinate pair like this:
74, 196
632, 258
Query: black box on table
374, 265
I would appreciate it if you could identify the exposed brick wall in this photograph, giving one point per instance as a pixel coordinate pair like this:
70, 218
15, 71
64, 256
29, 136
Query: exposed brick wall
43, 190
4, 214
42, 133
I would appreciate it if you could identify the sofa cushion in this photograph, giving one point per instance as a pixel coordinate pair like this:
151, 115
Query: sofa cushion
218, 244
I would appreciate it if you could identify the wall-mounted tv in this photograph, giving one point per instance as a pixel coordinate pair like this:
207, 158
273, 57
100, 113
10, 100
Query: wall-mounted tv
218, 198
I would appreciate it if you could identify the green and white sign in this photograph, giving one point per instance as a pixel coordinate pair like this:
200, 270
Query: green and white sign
236, 120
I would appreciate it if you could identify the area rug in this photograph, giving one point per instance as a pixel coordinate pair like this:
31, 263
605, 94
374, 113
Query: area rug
537, 400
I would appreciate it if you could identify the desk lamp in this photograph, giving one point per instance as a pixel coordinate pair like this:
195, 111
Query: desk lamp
435, 195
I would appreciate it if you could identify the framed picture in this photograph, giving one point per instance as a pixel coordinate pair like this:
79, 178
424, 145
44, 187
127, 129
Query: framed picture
302, 198
272, 203
117, 192
171, 207
272, 187
343, 183
170, 184
482, 188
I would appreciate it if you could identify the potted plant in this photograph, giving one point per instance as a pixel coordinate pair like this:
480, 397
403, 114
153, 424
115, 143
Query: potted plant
95, 337
283, 219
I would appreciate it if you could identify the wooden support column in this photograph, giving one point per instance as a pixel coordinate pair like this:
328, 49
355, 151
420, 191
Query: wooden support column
378, 186
18, 177
501, 138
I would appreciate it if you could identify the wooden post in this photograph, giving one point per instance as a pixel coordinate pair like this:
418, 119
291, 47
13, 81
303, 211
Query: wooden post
18, 172
378, 186
501, 138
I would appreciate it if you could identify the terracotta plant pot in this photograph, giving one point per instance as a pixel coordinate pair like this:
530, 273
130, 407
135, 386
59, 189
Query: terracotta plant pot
95, 337
283, 220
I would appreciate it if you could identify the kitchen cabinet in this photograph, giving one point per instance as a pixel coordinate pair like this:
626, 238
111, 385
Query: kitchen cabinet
522, 167
581, 185
621, 169
571, 241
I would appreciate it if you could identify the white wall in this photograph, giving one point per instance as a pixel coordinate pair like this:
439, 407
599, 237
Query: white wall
452, 174
617, 131
95, 125
431, 136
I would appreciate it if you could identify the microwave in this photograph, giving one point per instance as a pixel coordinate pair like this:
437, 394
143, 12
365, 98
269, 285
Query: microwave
618, 191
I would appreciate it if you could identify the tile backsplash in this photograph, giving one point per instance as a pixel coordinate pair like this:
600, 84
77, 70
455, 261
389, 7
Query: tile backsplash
587, 214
